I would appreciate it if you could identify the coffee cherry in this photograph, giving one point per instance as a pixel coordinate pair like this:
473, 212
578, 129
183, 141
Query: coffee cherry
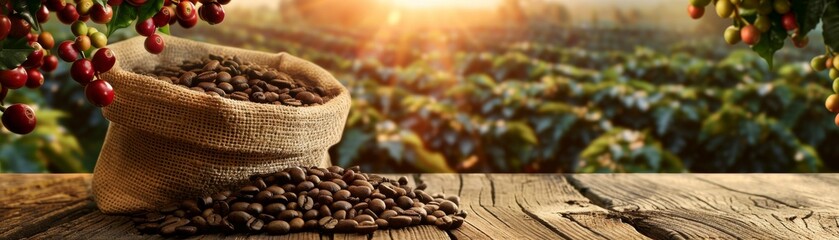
188, 23
724, 9
154, 44
91, 31
103, 60
162, 17
174, 18
765, 8
186, 10
762, 23
817, 63
82, 71
136, 3
31, 38
67, 51
99, 93
35, 58
732, 35
145, 28
836, 120
836, 63
55, 5
101, 14
84, 6
693, 11
781, 6
836, 85
68, 14
84, 18
5, 26
832, 103
749, 34
20, 27
82, 43
13, 78
99, 40
43, 14
19, 118
696, 3
789, 22
800, 41
50, 63
79, 28
225, 2
828, 62
213, 12
34, 78
114, 2
46, 40
833, 73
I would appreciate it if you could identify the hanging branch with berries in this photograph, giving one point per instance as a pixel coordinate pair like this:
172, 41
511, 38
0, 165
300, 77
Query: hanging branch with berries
26, 49
766, 24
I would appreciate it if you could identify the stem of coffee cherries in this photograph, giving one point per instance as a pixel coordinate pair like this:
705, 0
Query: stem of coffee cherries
26, 49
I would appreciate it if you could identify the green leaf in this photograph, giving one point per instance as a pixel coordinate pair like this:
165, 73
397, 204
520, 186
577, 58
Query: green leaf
124, 15
27, 9
164, 29
770, 41
149, 9
14, 52
830, 27
808, 14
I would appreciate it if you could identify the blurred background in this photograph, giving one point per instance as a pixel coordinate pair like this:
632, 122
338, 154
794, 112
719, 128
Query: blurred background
507, 86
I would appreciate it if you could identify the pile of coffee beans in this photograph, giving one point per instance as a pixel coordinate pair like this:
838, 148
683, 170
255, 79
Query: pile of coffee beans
307, 199
231, 77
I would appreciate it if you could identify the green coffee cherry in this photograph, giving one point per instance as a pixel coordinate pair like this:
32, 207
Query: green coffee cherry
834, 74
835, 62
732, 35
736, 2
762, 23
781, 6
724, 8
750, 4
79, 28
817, 63
765, 8
836, 85
84, 6
91, 31
98, 40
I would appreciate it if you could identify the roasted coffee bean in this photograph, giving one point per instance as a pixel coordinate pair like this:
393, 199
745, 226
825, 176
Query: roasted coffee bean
366, 227
297, 174
266, 217
362, 218
226, 87
304, 186
212, 65
310, 214
186, 230
328, 223
341, 205
239, 206
342, 195
361, 191
329, 186
306, 202
444, 223
240, 96
438, 213
382, 223
404, 202
387, 190
346, 225
287, 215
277, 227
206, 77
256, 225
224, 77
339, 214
462, 213
377, 205
169, 229
296, 224
254, 208
388, 214
239, 217
448, 206
399, 221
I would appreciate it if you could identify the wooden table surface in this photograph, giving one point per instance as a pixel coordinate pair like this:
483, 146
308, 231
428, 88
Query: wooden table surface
508, 206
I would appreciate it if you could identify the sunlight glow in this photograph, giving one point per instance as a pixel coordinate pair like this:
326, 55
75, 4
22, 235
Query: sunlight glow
445, 3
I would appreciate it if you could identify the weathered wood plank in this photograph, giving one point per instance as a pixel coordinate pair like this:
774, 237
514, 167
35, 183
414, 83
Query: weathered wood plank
702, 206
506, 206
30, 203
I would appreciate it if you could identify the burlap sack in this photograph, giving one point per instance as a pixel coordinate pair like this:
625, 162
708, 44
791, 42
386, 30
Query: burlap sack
166, 143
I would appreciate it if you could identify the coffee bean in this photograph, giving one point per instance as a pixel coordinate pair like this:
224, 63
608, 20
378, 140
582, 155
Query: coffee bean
382, 223
304, 186
212, 65
346, 225
297, 175
287, 215
186, 230
342, 195
444, 223
329, 186
399, 221
388, 214
339, 214
328, 223
306, 203
254, 208
362, 218
277, 227
256, 225
239, 217
448, 206
366, 227
438, 213
404, 202
169, 229
377, 205
387, 190
361, 191
296, 224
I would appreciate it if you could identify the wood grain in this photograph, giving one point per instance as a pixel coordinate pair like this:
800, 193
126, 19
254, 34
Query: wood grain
507, 206
30, 203
703, 206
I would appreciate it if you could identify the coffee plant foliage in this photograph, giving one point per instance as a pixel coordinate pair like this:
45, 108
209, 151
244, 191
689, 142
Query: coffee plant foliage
542, 99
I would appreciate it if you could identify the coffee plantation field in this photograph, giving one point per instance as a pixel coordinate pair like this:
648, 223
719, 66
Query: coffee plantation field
508, 98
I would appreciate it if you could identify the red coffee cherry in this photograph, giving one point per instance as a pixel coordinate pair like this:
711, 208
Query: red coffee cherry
68, 14
789, 22
695, 12
101, 14
35, 59
154, 44
162, 17
19, 118
99, 93
114, 2
20, 27
55, 5
212, 12
136, 3
103, 60
13, 78
750, 34
145, 28
5, 26
34, 78
188, 23
50, 63
67, 51
186, 10
43, 14
82, 71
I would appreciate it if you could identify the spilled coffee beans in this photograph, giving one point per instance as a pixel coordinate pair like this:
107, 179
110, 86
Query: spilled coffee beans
232, 78
307, 199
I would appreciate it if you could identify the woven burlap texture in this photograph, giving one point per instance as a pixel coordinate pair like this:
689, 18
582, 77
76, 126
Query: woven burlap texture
166, 143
